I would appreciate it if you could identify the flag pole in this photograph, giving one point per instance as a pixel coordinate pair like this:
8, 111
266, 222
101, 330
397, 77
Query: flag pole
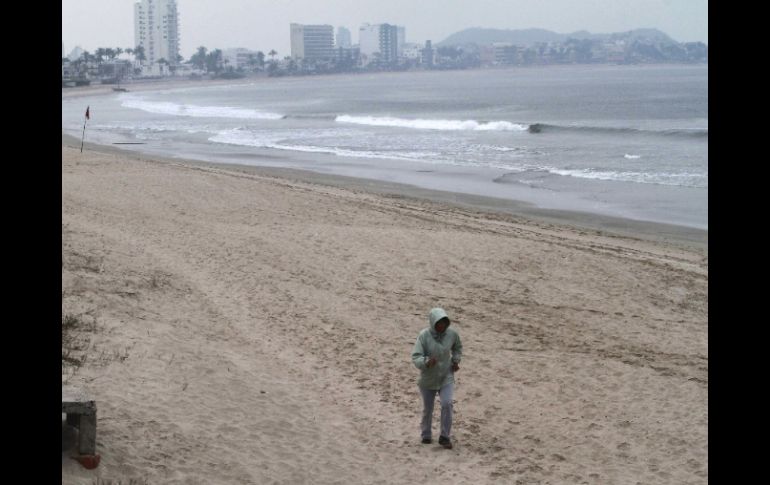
84, 128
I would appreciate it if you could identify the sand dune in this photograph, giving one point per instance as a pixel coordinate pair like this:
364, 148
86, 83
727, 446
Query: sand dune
254, 329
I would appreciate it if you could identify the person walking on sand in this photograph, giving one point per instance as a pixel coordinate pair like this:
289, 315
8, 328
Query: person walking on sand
437, 353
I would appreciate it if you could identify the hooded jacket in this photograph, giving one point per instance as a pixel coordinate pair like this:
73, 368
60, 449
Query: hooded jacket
446, 347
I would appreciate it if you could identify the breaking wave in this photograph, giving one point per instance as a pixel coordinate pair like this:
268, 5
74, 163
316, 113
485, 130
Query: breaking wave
690, 133
426, 124
246, 138
175, 109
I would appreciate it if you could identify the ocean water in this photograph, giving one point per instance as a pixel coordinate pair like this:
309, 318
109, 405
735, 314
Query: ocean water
627, 141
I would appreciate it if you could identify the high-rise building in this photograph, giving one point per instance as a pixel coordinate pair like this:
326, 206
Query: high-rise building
156, 29
368, 41
312, 42
427, 54
378, 42
75, 53
388, 43
401, 40
343, 38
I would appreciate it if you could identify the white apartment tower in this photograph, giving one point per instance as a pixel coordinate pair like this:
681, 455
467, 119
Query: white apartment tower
379, 42
156, 28
343, 38
369, 41
401, 40
312, 42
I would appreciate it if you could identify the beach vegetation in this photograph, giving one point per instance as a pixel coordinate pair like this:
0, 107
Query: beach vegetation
256, 61
199, 58
230, 73
139, 54
75, 339
214, 61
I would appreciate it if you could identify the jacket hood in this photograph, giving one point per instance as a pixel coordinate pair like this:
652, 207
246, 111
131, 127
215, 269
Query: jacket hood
435, 315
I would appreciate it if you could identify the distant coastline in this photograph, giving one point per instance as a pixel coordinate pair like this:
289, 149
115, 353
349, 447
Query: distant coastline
172, 82
140, 84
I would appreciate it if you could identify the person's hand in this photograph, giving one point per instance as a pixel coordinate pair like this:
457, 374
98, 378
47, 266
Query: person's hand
431, 362
455, 366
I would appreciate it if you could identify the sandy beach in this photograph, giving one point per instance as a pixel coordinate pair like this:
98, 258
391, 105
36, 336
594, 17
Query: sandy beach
241, 325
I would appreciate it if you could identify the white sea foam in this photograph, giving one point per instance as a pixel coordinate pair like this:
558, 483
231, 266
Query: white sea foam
660, 178
277, 142
632, 157
284, 140
160, 127
174, 109
423, 124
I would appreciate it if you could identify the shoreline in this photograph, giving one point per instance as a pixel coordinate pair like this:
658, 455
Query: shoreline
99, 89
682, 236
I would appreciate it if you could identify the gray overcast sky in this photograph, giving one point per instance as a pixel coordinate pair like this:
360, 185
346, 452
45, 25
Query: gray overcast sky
264, 24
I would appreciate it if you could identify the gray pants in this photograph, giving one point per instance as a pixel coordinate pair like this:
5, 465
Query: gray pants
428, 399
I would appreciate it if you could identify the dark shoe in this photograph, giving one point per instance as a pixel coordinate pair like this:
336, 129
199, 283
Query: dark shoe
427, 441
445, 442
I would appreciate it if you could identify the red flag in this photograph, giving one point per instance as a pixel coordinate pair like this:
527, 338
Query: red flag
88, 114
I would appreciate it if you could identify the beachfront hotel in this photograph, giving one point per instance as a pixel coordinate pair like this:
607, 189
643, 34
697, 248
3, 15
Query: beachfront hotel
312, 42
156, 29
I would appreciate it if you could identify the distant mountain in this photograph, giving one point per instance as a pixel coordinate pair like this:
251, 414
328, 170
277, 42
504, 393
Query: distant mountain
488, 36
526, 37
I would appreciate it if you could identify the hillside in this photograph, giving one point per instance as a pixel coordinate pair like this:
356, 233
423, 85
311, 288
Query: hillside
525, 37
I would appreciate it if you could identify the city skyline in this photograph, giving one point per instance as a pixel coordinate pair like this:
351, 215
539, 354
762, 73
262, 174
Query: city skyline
260, 25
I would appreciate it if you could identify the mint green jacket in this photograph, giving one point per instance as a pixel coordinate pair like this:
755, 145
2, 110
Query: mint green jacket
446, 347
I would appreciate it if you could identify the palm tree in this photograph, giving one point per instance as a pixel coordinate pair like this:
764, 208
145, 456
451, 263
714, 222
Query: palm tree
139, 56
272, 54
199, 58
214, 61
252, 61
139, 53
99, 54
85, 59
118, 69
